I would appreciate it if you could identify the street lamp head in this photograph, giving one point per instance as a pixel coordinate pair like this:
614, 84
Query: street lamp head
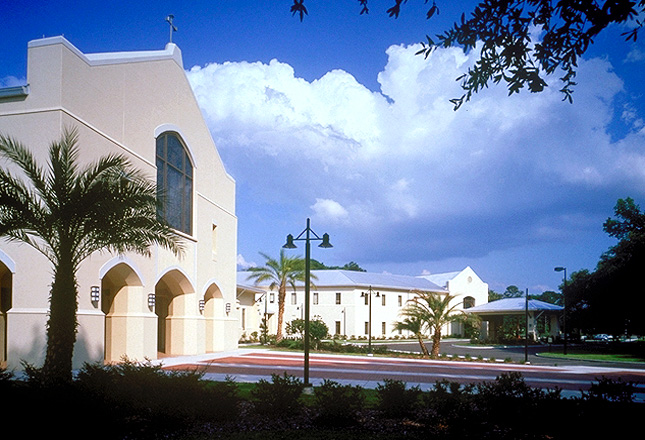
325, 242
289, 244
560, 269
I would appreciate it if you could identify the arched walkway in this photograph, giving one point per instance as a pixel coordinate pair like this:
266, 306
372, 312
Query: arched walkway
214, 313
180, 325
129, 322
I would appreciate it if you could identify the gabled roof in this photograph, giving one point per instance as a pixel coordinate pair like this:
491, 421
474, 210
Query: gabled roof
441, 279
354, 279
512, 305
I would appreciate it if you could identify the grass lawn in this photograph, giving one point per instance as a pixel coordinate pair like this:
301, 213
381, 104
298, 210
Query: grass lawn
612, 352
593, 356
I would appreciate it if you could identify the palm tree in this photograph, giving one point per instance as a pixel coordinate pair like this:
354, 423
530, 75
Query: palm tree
415, 326
433, 311
279, 274
67, 212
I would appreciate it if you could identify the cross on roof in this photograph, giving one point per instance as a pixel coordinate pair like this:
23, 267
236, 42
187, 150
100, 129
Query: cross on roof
173, 28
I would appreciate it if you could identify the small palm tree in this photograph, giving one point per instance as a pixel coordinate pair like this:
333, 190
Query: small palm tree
433, 311
279, 274
67, 213
415, 326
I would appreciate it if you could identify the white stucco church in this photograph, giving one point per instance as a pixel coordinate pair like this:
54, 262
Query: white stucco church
139, 104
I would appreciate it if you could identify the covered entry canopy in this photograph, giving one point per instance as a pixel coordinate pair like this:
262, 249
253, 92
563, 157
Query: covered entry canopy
495, 311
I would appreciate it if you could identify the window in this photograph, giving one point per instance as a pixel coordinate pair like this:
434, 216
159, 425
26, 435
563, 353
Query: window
400, 300
175, 182
382, 299
337, 297
367, 298
315, 297
469, 302
293, 298
367, 327
338, 327
272, 298
383, 328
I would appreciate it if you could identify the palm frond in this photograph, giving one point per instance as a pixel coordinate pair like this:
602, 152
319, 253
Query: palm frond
106, 206
17, 154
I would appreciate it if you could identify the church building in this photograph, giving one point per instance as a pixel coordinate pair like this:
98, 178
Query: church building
139, 104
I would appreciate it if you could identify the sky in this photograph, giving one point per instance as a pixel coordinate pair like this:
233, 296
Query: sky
337, 120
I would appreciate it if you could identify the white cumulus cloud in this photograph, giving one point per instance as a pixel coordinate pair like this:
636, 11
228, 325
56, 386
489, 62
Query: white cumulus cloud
402, 164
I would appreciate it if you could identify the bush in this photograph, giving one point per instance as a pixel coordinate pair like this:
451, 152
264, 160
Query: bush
279, 397
394, 400
337, 404
608, 390
146, 398
450, 409
507, 400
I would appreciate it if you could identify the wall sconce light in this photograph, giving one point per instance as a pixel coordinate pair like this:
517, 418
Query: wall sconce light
95, 294
151, 300
202, 305
228, 308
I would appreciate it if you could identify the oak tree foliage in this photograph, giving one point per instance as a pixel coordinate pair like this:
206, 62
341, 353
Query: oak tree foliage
521, 42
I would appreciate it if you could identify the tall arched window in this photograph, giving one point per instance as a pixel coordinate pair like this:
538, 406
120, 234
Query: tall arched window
175, 182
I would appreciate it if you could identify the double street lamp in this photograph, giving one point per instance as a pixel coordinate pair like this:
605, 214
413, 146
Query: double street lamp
307, 236
368, 295
564, 306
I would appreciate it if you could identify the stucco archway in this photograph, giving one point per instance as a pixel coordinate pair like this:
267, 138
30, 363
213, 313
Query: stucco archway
214, 314
129, 323
180, 326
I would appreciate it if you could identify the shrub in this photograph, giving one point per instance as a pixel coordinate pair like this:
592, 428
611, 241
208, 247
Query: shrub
145, 398
508, 399
337, 404
450, 407
279, 397
609, 390
395, 400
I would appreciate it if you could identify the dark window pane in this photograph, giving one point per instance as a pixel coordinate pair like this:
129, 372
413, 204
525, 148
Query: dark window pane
174, 182
174, 197
188, 199
176, 152
161, 142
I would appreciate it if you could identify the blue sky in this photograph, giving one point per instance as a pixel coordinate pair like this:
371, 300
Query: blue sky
336, 119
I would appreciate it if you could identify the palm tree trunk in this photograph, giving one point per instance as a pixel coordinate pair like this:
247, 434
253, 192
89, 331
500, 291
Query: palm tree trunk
282, 294
62, 323
424, 349
436, 341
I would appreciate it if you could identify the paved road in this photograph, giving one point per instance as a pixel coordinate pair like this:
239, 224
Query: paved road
251, 365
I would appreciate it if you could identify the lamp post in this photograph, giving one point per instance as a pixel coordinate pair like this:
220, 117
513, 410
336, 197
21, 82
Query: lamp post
564, 306
526, 323
265, 331
368, 295
307, 236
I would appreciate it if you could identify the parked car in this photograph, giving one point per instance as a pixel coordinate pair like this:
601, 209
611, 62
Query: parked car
602, 337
